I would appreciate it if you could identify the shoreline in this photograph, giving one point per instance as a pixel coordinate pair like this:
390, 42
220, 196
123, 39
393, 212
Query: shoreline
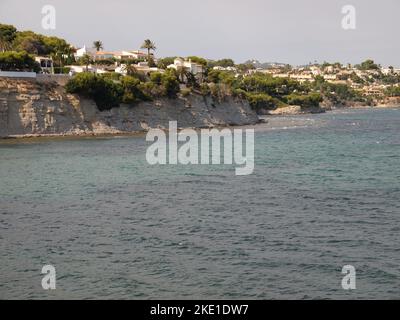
143, 132
263, 119
31, 110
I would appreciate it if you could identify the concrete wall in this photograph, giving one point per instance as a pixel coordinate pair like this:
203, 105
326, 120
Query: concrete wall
61, 79
17, 74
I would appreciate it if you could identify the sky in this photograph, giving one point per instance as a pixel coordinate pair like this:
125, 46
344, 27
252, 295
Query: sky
287, 31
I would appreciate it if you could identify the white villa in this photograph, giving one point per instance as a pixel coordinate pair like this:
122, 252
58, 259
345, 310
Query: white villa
102, 55
82, 51
190, 66
46, 64
219, 68
140, 67
120, 55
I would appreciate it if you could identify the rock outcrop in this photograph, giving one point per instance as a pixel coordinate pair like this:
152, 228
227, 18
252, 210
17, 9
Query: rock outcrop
30, 108
292, 110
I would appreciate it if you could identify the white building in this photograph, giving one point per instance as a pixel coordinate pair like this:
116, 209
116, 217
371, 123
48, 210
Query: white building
387, 71
233, 69
120, 55
316, 71
134, 54
78, 69
101, 55
82, 51
140, 67
190, 66
46, 64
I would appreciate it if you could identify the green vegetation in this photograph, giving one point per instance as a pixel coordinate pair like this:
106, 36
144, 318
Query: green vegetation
109, 91
245, 67
105, 62
393, 91
36, 44
260, 101
104, 92
337, 93
261, 89
367, 65
388, 79
148, 45
198, 60
132, 91
98, 45
165, 62
18, 61
221, 63
305, 101
167, 83
7, 36
86, 60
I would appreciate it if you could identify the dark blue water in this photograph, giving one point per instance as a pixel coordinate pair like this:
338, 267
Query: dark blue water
324, 193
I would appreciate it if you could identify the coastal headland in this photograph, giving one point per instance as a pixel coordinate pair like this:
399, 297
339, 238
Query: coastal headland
29, 108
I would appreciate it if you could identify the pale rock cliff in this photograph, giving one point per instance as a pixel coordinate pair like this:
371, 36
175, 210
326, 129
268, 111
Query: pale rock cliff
30, 108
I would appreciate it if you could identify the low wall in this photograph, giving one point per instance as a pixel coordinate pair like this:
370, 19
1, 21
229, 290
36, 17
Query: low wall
17, 74
61, 79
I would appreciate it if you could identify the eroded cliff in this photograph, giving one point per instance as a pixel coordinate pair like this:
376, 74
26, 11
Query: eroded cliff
31, 108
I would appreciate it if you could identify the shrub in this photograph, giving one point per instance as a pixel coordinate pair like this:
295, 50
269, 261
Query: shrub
186, 92
165, 62
393, 91
164, 84
156, 78
104, 92
18, 61
132, 90
239, 93
218, 76
204, 89
198, 60
260, 101
305, 101
150, 90
105, 62
170, 84
112, 76
221, 63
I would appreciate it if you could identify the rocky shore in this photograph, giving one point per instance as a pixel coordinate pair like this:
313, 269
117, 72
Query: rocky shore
29, 108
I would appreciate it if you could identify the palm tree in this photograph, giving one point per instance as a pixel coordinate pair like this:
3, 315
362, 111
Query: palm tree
149, 45
98, 45
86, 60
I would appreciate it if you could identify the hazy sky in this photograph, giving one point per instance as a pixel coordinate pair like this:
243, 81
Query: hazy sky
290, 31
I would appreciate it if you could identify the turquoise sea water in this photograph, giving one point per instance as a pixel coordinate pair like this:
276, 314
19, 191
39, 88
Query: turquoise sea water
324, 193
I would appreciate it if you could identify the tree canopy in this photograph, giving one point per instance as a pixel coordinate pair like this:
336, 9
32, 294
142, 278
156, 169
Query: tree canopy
7, 36
18, 61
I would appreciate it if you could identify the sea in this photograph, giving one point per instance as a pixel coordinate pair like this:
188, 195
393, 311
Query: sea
324, 194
